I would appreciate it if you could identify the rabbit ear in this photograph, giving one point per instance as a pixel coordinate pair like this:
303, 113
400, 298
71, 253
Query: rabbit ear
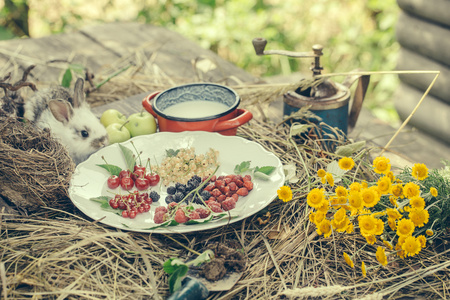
61, 110
79, 96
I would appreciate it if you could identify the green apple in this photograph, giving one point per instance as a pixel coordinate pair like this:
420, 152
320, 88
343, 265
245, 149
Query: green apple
111, 116
141, 123
117, 133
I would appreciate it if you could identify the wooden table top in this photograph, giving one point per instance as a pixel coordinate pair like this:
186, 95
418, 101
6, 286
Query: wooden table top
102, 47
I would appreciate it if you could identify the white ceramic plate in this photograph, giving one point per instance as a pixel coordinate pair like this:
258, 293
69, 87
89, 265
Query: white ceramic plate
89, 180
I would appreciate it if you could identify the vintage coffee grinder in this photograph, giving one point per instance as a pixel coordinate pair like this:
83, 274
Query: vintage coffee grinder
329, 100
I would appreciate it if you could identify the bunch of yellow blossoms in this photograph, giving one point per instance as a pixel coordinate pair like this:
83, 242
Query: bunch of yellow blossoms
395, 222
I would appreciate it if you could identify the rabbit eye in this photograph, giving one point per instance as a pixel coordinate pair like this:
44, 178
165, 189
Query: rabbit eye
84, 133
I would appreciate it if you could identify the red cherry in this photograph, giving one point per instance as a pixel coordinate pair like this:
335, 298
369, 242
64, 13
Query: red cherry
127, 183
142, 183
137, 174
139, 167
153, 179
113, 181
132, 214
124, 173
125, 213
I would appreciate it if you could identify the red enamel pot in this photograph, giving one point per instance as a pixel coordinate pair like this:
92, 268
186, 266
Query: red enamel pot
197, 107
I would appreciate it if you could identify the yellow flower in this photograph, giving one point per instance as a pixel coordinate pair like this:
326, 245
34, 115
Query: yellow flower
340, 215
315, 198
367, 225
381, 165
330, 179
317, 217
348, 260
370, 196
381, 256
405, 227
379, 227
350, 228
420, 171
429, 232
324, 207
393, 213
417, 202
411, 246
411, 190
364, 185
371, 239
391, 176
419, 217
363, 269
346, 163
384, 185
355, 186
422, 240
340, 226
341, 191
355, 200
392, 224
324, 228
399, 250
433, 192
393, 200
321, 173
285, 193
388, 245
397, 190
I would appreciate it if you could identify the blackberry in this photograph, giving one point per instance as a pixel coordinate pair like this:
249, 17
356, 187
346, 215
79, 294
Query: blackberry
178, 196
154, 195
205, 195
171, 190
170, 199
197, 200
181, 188
197, 178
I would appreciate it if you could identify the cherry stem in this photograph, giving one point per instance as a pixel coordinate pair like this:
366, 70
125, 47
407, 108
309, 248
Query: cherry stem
105, 160
137, 152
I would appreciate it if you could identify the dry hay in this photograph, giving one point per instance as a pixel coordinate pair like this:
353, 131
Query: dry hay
57, 255
35, 169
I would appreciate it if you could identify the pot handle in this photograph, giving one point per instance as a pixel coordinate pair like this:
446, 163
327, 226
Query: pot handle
147, 104
358, 98
243, 116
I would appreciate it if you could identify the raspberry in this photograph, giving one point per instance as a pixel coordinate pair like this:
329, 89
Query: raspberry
229, 204
203, 213
225, 189
209, 187
219, 184
161, 208
247, 178
216, 192
248, 185
180, 216
159, 217
215, 207
194, 215
239, 183
221, 198
242, 191
235, 196
233, 186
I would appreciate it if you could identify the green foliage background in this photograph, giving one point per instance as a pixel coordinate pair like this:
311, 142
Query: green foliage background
354, 33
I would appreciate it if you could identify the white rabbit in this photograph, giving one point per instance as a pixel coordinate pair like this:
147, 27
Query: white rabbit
69, 119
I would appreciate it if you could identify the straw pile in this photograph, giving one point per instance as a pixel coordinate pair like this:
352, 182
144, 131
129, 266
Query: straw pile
55, 254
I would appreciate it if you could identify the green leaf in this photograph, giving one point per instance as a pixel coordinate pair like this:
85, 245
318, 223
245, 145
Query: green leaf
177, 277
77, 68
172, 264
100, 199
260, 175
266, 169
67, 78
242, 167
172, 152
206, 256
348, 150
129, 157
113, 170
297, 128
